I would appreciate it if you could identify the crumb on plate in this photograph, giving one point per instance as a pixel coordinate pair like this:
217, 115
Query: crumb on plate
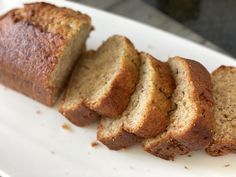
66, 126
94, 143
38, 112
131, 168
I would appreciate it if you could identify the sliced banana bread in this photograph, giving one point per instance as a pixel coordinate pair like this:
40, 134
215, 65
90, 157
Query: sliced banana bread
39, 45
152, 101
191, 123
146, 114
224, 93
102, 82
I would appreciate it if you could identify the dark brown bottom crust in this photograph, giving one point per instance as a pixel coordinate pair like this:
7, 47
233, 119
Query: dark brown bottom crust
28, 88
119, 141
167, 149
219, 149
80, 115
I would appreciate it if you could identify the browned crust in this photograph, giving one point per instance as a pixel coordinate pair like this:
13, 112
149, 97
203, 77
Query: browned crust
200, 132
223, 69
167, 148
220, 148
114, 102
120, 140
156, 112
42, 16
18, 41
151, 126
29, 52
80, 115
26, 87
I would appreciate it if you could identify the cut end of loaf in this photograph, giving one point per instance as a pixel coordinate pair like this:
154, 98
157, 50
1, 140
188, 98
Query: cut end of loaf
224, 92
67, 61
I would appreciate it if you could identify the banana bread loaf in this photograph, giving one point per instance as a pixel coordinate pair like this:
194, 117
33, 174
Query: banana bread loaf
39, 45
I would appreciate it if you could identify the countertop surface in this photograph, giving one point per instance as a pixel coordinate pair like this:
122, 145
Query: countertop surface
150, 12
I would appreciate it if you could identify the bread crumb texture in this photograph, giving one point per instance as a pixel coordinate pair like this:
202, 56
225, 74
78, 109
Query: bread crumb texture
224, 92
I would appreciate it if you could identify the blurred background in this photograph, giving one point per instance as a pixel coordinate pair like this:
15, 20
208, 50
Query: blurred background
208, 22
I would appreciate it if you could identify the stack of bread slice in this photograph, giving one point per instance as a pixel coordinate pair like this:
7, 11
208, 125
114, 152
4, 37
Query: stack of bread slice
168, 106
102, 82
147, 112
169, 120
191, 124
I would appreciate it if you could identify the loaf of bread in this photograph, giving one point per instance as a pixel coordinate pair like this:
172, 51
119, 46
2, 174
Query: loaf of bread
39, 45
102, 82
171, 107
191, 123
147, 112
224, 93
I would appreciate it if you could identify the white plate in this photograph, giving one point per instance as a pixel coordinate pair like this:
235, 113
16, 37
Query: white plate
35, 145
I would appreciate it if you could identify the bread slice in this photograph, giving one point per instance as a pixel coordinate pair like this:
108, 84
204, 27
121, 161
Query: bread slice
224, 93
190, 125
102, 82
146, 114
149, 116
39, 45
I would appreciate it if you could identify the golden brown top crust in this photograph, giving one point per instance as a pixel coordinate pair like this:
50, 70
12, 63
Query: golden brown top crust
223, 69
24, 46
50, 18
164, 72
201, 80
